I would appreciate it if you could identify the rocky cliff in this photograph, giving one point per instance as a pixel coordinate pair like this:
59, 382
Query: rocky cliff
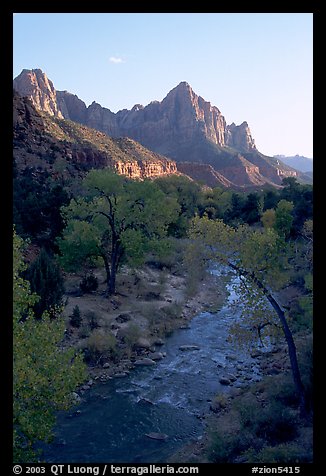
183, 127
35, 85
65, 148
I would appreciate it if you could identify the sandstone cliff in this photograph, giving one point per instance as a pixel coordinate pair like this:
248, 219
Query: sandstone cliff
183, 127
65, 148
35, 85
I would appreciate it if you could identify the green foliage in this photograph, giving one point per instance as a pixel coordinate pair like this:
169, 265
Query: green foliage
76, 317
302, 198
274, 422
222, 447
260, 259
188, 195
268, 218
252, 208
89, 283
132, 334
118, 220
101, 345
43, 375
284, 453
79, 245
283, 218
260, 252
46, 281
92, 319
36, 206
216, 203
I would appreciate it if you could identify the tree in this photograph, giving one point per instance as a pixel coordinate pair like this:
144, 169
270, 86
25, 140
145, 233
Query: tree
188, 194
44, 376
268, 218
36, 206
46, 281
76, 317
234, 213
117, 219
259, 258
252, 208
283, 218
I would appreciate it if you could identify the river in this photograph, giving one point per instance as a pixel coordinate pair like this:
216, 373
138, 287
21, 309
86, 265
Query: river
170, 398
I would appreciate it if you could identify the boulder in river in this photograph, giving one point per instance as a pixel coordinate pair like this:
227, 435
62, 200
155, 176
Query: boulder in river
157, 436
157, 356
145, 400
145, 361
189, 347
224, 381
142, 343
159, 341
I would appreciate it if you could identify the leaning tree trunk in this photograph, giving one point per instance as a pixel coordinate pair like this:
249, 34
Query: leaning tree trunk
288, 337
292, 353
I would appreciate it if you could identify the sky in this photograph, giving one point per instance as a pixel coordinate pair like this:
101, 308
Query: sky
255, 67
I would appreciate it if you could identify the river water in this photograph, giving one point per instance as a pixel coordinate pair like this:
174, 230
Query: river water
111, 423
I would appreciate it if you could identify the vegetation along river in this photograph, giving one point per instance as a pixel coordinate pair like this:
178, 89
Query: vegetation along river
113, 419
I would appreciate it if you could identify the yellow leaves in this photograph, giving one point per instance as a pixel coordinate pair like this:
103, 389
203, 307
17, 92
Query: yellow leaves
43, 375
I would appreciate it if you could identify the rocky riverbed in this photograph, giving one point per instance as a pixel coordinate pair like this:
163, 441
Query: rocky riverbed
167, 397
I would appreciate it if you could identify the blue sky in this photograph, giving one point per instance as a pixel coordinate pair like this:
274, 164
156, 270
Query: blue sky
255, 67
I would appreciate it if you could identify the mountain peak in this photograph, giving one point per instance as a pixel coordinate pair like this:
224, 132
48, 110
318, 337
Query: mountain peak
34, 84
183, 126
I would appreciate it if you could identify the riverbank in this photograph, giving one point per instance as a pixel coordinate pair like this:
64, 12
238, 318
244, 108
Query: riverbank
265, 414
128, 329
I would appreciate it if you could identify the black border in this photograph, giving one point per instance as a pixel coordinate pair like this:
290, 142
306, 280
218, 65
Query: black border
6, 17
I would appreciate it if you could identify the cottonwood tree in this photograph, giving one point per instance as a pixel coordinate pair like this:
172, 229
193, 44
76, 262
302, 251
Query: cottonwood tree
260, 260
44, 376
116, 219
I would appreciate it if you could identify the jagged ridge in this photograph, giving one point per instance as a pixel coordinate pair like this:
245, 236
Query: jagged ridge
183, 127
40, 140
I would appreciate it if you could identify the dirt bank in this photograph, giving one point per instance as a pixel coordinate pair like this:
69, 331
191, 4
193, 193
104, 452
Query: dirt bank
149, 304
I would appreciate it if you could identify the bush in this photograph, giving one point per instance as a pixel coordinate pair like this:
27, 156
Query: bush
100, 345
76, 318
283, 453
46, 281
89, 283
275, 423
132, 334
92, 320
222, 447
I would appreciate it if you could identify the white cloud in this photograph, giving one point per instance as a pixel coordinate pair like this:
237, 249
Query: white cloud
116, 60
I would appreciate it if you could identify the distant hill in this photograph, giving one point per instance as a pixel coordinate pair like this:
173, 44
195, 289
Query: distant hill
298, 162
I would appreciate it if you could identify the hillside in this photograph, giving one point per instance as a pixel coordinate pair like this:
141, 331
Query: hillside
58, 145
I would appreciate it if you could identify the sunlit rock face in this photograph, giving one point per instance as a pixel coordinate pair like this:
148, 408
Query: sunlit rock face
183, 127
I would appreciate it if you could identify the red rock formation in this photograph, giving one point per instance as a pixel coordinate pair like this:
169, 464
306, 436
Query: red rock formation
64, 148
183, 127
35, 85
204, 173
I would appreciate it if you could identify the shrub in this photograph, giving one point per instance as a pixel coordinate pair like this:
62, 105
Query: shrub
46, 281
76, 318
173, 311
222, 447
283, 453
275, 423
92, 320
89, 283
100, 345
132, 334
84, 331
